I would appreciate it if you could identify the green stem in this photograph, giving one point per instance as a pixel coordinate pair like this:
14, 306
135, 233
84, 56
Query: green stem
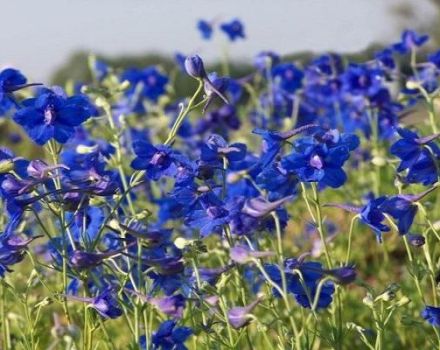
183, 114
320, 225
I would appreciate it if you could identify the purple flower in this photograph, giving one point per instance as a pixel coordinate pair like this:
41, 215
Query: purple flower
239, 317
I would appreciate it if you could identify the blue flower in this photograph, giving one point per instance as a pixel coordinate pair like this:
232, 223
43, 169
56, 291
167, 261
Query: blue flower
385, 58
170, 337
410, 40
360, 79
435, 58
106, 304
158, 161
215, 150
303, 288
372, 215
52, 115
402, 210
153, 82
319, 159
205, 29
416, 157
288, 77
10, 80
431, 314
208, 220
234, 29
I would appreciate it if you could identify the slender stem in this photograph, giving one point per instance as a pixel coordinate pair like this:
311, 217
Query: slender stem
350, 234
320, 225
183, 114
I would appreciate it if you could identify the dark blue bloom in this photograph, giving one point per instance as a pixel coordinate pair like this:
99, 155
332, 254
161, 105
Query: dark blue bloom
205, 29
10, 80
385, 58
435, 58
402, 210
158, 161
304, 291
416, 157
288, 77
431, 314
12, 246
216, 149
170, 337
372, 215
320, 158
208, 220
234, 29
360, 79
107, 304
150, 82
52, 115
410, 40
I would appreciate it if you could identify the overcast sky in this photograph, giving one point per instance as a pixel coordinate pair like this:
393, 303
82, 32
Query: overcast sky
38, 35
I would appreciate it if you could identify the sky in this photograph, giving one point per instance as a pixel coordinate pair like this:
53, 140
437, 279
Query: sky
37, 36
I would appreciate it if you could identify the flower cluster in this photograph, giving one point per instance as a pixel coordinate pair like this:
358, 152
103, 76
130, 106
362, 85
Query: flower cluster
202, 221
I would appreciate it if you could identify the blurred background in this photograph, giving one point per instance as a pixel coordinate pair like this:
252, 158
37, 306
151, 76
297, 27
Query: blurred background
49, 40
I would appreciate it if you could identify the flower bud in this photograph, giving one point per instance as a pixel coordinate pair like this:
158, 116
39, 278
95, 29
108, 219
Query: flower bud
416, 240
6, 165
194, 67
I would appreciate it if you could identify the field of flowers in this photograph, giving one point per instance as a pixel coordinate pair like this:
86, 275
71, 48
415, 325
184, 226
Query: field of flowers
293, 208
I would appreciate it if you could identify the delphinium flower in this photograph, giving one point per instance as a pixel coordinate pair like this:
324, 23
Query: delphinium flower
242, 254
216, 151
52, 115
403, 208
233, 29
205, 29
172, 305
248, 215
12, 246
195, 68
320, 158
288, 77
418, 155
210, 218
227, 89
219, 121
239, 317
273, 141
150, 81
80, 259
304, 291
410, 41
11, 80
277, 182
371, 214
431, 314
169, 336
158, 161
416, 240
208, 275
105, 303
385, 58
